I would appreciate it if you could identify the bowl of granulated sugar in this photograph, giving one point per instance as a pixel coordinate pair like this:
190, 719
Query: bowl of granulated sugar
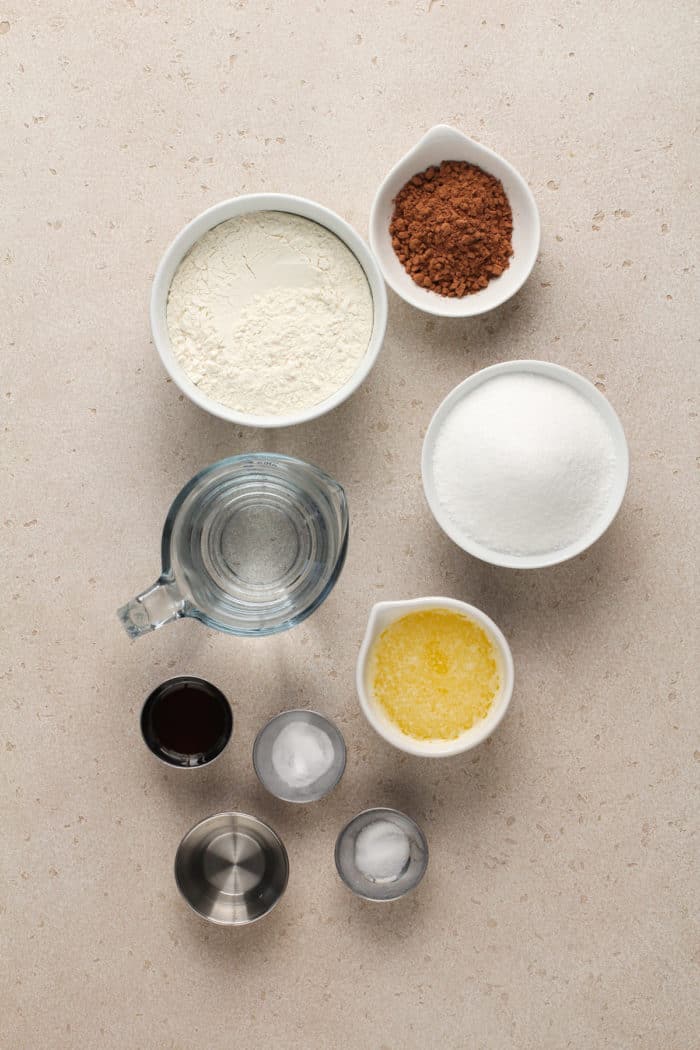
525, 464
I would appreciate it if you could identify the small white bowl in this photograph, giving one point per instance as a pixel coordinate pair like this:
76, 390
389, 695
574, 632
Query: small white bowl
380, 617
219, 213
445, 143
617, 492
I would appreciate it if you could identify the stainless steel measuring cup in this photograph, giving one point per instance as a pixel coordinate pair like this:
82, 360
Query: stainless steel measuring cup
251, 546
231, 868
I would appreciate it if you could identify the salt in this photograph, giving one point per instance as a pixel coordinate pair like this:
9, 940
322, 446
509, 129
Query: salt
524, 465
301, 754
382, 851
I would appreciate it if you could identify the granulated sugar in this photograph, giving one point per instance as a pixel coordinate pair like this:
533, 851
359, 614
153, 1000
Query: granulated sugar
524, 465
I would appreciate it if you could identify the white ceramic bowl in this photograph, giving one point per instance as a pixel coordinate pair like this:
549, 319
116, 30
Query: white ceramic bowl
591, 394
445, 143
219, 213
387, 612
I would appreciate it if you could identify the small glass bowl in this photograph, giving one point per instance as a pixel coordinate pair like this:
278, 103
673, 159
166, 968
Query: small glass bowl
268, 775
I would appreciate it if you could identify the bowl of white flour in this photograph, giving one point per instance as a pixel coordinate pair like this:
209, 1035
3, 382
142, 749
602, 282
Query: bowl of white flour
268, 310
525, 464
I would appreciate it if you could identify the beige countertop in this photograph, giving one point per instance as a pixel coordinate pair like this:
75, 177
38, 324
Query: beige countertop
558, 907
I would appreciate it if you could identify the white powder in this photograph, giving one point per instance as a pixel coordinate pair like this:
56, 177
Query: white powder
269, 313
382, 851
524, 465
301, 754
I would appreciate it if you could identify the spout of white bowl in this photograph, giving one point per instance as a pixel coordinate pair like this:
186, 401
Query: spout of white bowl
442, 137
382, 614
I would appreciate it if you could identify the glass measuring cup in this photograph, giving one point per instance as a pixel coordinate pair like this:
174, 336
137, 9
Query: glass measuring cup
251, 546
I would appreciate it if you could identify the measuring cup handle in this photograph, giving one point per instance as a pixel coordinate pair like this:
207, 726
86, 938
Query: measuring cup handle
160, 604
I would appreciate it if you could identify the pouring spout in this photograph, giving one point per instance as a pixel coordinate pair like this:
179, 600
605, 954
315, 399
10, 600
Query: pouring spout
160, 604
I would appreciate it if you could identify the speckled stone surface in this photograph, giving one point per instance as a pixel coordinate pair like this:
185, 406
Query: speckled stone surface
558, 908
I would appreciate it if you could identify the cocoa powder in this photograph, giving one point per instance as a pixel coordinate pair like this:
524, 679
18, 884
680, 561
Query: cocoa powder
452, 228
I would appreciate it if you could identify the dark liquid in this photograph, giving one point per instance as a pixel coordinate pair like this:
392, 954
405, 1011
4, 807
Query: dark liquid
186, 721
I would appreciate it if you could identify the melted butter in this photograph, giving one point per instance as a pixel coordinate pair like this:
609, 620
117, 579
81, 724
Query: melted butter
435, 673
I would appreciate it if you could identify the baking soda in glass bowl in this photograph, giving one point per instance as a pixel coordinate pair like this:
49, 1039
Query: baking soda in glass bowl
382, 851
299, 756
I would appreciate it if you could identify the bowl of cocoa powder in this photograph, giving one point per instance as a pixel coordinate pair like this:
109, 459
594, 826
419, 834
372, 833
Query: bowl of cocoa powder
455, 227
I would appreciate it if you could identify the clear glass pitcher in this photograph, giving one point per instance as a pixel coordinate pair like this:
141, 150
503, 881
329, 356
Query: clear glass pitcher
251, 546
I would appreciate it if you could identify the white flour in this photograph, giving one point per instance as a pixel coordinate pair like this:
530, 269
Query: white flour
524, 465
269, 313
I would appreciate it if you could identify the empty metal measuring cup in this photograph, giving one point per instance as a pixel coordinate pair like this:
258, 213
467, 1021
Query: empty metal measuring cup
231, 869
251, 546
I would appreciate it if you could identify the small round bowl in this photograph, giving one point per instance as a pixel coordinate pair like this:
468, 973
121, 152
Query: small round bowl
231, 869
357, 881
192, 760
387, 612
591, 394
228, 209
445, 143
266, 772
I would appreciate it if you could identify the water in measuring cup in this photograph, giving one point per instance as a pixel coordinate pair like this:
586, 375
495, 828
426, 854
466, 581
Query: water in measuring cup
261, 546
251, 545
